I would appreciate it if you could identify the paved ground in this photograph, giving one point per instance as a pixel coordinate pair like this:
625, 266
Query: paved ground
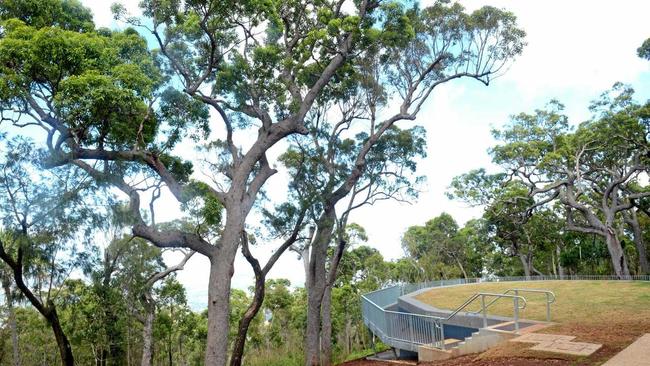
569, 348
636, 354
541, 338
558, 344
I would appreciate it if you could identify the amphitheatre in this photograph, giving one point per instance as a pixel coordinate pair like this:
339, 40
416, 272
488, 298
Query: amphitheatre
579, 320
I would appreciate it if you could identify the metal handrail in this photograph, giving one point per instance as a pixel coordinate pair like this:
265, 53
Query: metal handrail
483, 294
550, 298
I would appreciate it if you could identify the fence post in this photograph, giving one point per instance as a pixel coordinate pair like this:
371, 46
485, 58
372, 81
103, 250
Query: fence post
548, 307
484, 310
410, 324
516, 301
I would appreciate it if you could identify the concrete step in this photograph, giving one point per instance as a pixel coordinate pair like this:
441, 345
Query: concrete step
479, 341
452, 341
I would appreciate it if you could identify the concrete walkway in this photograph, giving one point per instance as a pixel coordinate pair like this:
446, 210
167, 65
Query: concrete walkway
636, 354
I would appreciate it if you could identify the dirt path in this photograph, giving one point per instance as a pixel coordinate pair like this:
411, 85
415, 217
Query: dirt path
471, 360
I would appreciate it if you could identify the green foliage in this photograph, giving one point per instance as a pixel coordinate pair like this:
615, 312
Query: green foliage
476, 187
586, 254
535, 139
101, 112
275, 358
644, 50
181, 112
440, 249
99, 84
179, 168
205, 209
66, 14
37, 344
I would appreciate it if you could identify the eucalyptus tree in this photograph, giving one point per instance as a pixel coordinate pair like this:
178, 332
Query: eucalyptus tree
517, 225
388, 175
149, 304
43, 215
362, 269
106, 324
108, 105
437, 241
126, 284
594, 172
170, 325
588, 171
479, 248
644, 50
508, 218
436, 44
290, 223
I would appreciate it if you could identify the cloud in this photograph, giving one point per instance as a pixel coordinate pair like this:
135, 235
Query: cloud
103, 16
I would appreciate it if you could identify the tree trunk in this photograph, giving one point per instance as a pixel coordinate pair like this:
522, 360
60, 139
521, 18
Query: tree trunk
560, 268
316, 285
128, 344
170, 354
326, 327
221, 271
616, 253
180, 350
312, 333
65, 350
305, 262
462, 269
525, 264
147, 334
47, 310
553, 267
632, 220
348, 335
12, 319
245, 321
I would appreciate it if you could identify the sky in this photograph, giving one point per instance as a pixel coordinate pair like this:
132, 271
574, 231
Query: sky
576, 50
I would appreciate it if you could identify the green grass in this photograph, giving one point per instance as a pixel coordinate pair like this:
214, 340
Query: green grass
584, 301
274, 358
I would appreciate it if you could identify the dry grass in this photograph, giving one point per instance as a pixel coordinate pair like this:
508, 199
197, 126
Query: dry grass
611, 313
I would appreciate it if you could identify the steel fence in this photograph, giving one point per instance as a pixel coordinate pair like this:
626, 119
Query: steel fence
402, 330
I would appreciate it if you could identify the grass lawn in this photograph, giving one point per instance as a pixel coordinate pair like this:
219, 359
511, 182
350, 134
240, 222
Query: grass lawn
613, 313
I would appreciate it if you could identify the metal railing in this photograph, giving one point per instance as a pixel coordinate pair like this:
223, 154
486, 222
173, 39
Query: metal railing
550, 298
403, 330
408, 331
515, 302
